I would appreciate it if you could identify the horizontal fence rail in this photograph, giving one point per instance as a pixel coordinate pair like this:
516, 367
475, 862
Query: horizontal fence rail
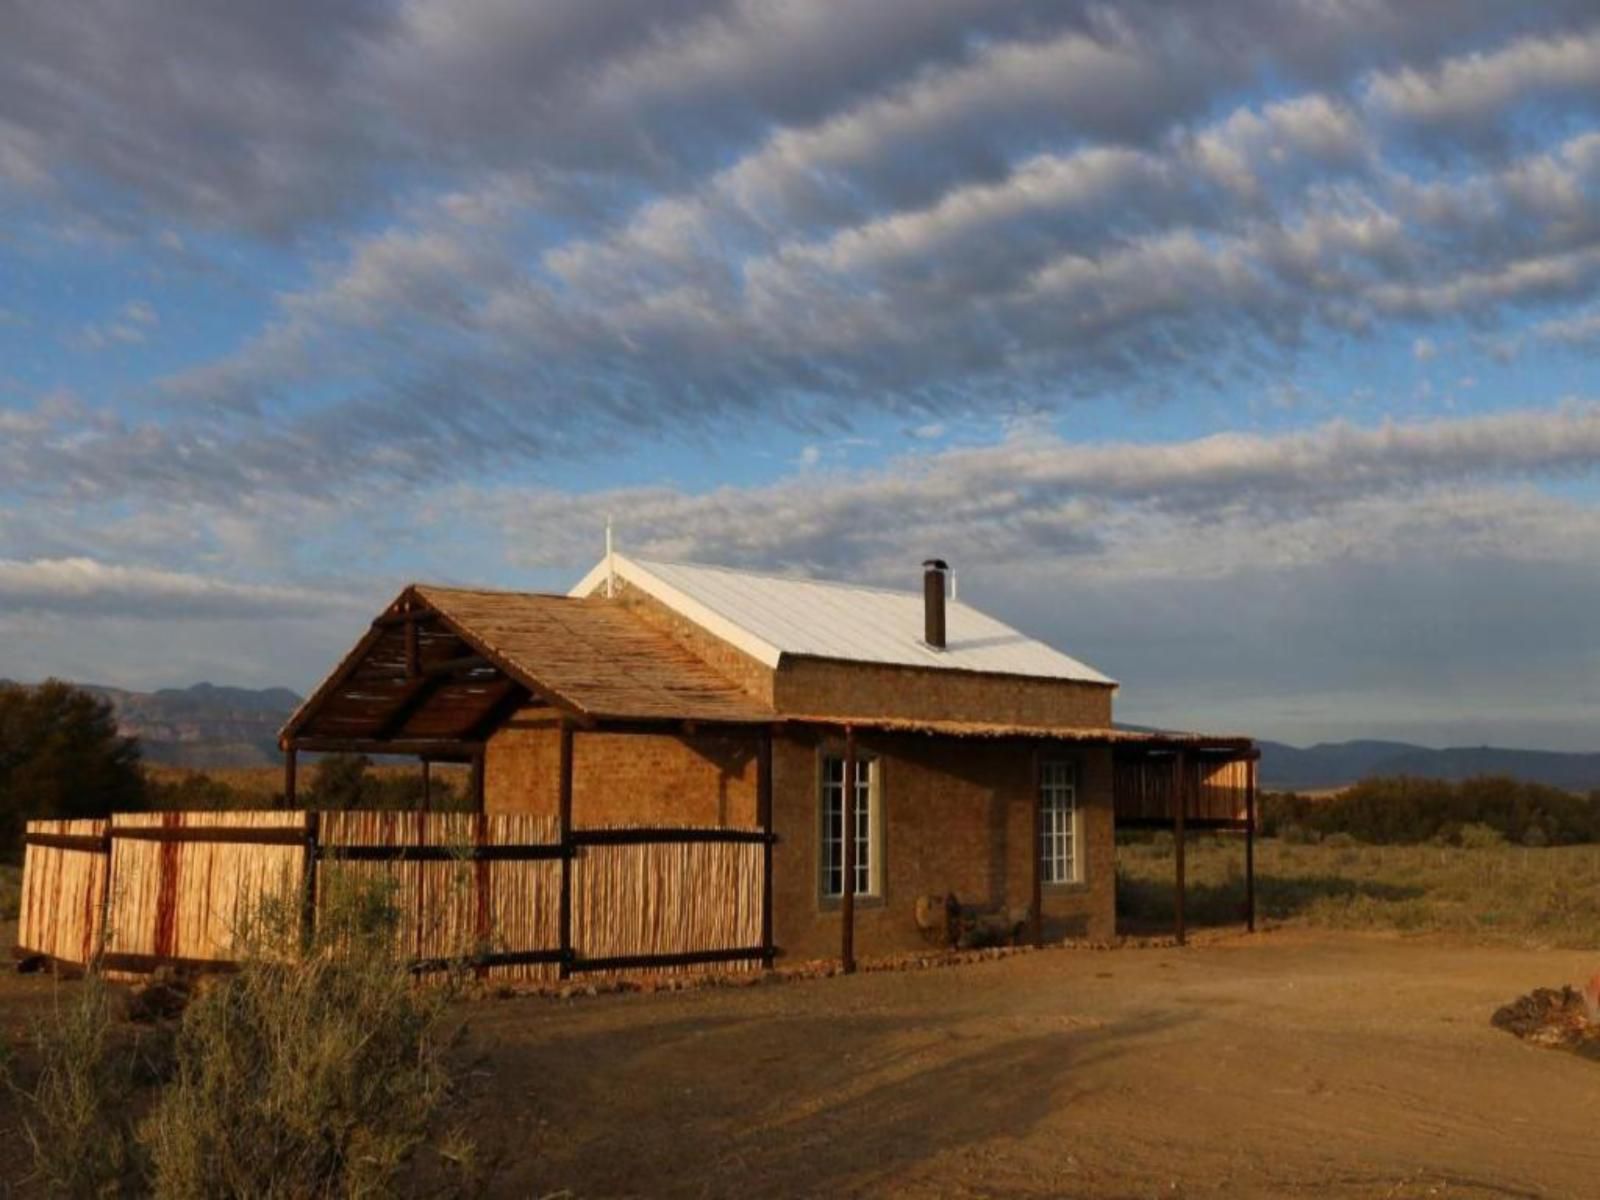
470, 891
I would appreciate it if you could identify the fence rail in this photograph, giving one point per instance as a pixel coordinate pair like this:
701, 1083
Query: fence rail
507, 896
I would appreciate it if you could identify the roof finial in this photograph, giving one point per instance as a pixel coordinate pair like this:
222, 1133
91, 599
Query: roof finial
611, 562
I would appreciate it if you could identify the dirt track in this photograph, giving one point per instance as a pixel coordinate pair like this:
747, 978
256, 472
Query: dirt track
1287, 1064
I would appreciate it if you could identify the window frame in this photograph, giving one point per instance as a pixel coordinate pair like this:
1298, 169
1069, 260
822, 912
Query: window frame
1052, 829
874, 865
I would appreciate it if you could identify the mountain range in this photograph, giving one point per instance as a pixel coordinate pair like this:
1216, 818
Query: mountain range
209, 726
203, 725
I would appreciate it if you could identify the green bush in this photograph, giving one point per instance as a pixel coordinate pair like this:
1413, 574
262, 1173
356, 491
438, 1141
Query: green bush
77, 1112
1478, 836
1410, 811
317, 1070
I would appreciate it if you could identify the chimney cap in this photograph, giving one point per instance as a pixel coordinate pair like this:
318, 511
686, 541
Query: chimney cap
936, 564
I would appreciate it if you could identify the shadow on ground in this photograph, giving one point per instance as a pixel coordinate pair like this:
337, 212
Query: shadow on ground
1147, 904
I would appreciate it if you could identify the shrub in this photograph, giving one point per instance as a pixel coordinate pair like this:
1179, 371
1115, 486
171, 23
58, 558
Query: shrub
1298, 835
1478, 836
316, 1070
1339, 841
313, 1074
77, 1115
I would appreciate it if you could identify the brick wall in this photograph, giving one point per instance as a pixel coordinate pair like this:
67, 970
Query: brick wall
622, 778
821, 686
957, 816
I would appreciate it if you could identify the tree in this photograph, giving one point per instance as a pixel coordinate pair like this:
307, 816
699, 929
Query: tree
61, 757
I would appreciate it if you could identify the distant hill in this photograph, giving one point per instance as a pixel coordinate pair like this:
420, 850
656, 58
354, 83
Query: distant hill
203, 725
1336, 764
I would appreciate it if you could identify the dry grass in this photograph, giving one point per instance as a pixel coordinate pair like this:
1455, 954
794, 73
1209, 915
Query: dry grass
1548, 896
259, 787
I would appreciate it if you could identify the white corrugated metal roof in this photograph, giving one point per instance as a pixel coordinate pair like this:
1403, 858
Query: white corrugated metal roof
768, 616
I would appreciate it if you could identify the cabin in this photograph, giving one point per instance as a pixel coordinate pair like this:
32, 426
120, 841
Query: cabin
911, 761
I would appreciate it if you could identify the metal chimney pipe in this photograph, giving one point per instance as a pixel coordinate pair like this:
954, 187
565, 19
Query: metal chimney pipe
933, 572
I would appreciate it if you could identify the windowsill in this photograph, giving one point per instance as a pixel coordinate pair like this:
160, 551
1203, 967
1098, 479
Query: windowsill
832, 904
1059, 889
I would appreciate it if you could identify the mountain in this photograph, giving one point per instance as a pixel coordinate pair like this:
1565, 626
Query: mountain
203, 725
1336, 764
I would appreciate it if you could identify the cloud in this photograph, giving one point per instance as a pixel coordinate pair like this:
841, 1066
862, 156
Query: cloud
84, 587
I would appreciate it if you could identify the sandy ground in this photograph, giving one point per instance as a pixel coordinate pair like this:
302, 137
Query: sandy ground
1287, 1064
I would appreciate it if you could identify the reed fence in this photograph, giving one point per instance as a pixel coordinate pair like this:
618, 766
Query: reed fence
509, 896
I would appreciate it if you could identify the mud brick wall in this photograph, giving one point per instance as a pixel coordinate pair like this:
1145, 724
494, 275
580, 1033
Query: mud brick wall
956, 816
824, 687
641, 779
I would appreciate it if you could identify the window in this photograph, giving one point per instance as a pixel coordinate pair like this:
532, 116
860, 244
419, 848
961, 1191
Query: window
833, 826
1058, 810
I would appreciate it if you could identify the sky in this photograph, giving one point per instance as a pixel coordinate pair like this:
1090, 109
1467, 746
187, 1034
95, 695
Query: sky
1246, 350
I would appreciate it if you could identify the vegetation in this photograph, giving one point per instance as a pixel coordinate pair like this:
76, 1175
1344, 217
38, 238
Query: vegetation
313, 1071
61, 757
1407, 811
1483, 888
346, 781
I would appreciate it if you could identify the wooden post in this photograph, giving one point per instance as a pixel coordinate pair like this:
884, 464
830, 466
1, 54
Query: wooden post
1250, 846
564, 808
1180, 801
475, 781
847, 897
308, 886
764, 818
1037, 902
290, 754
427, 787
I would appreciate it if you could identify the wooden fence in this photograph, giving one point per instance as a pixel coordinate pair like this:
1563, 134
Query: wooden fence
1217, 794
506, 895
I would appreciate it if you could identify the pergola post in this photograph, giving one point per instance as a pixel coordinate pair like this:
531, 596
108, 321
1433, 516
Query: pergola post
1180, 802
290, 757
847, 898
1250, 845
564, 809
1036, 903
427, 785
764, 819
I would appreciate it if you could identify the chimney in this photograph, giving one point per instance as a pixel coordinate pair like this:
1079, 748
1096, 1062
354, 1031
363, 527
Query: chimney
933, 601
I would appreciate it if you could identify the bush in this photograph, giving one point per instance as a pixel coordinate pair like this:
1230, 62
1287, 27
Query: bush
343, 782
1478, 836
1339, 841
77, 1113
316, 1070
1411, 811
1298, 835
313, 1074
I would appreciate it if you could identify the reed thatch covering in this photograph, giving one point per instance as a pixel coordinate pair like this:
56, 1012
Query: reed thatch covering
194, 899
183, 887
460, 907
667, 899
63, 893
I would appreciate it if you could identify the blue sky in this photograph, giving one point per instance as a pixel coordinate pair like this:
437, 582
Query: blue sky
1245, 350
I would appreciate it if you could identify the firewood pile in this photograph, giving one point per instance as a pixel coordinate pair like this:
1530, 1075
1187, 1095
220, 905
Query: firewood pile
1565, 1018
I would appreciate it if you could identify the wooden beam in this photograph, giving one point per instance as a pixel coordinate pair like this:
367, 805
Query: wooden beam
458, 666
564, 811
1180, 802
413, 650
413, 702
440, 750
419, 616
512, 697
1037, 901
764, 819
847, 897
1250, 846
290, 755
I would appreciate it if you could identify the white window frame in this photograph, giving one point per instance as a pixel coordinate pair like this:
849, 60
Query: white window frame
830, 849
1060, 863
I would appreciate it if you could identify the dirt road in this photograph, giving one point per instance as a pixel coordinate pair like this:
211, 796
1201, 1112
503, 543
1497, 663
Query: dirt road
1287, 1064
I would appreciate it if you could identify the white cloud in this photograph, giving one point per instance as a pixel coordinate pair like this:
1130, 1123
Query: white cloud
86, 587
